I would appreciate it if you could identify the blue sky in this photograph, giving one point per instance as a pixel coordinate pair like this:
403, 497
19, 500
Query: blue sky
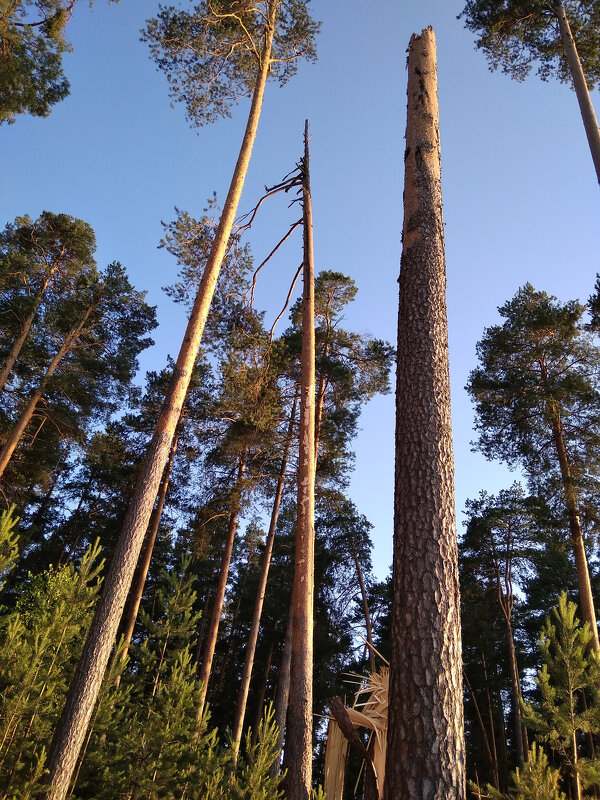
521, 201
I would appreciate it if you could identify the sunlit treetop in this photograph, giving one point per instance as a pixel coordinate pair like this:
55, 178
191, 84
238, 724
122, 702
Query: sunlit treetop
211, 54
516, 35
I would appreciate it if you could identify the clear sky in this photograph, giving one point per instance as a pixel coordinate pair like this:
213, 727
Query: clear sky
521, 201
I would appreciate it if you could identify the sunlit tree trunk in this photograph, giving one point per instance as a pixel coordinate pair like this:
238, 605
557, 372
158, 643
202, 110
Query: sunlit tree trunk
590, 123
72, 726
425, 745
298, 748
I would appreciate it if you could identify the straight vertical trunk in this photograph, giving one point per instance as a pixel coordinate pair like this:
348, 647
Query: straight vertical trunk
260, 700
425, 745
366, 611
260, 594
588, 115
282, 695
217, 609
20, 426
72, 726
515, 692
486, 742
299, 718
146, 557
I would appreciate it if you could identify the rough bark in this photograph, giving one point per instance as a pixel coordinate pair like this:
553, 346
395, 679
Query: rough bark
137, 589
72, 726
238, 722
299, 718
425, 755
217, 609
20, 426
588, 115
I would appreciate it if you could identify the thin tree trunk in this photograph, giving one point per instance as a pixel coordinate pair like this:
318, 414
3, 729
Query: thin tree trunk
217, 609
586, 599
515, 692
283, 691
299, 717
367, 613
146, 557
486, 741
260, 700
25, 327
15, 435
588, 115
72, 726
260, 594
425, 744
495, 770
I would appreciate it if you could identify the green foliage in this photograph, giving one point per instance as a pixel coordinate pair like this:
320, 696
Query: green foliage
567, 686
41, 642
252, 779
33, 42
9, 547
537, 780
211, 54
516, 34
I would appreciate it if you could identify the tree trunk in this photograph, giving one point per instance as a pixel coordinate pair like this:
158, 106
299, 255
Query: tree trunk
590, 123
20, 426
25, 327
72, 726
586, 599
515, 694
486, 742
299, 718
367, 613
146, 557
425, 745
260, 700
217, 609
260, 595
283, 691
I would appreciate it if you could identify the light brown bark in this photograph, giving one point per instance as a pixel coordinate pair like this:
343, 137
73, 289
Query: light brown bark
238, 722
137, 590
72, 726
298, 750
217, 609
425, 745
18, 429
588, 115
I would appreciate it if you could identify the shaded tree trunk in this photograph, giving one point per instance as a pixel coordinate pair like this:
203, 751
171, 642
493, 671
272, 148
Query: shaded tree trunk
588, 115
425, 745
72, 726
486, 741
282, 694
15, 435
298, 750
260, 700
217, 609
365, 602
260, 594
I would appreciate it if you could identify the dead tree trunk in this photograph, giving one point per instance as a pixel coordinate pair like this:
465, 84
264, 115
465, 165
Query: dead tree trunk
299, 717
425, 745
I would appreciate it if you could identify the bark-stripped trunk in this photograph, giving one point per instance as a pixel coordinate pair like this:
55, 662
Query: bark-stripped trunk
260, 594
588, 115
15, 435
217, 609
137, 589
425, 745
586, 599
72, 726
298, 749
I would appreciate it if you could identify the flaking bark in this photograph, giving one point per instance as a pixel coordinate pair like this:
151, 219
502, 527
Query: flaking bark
425, 756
